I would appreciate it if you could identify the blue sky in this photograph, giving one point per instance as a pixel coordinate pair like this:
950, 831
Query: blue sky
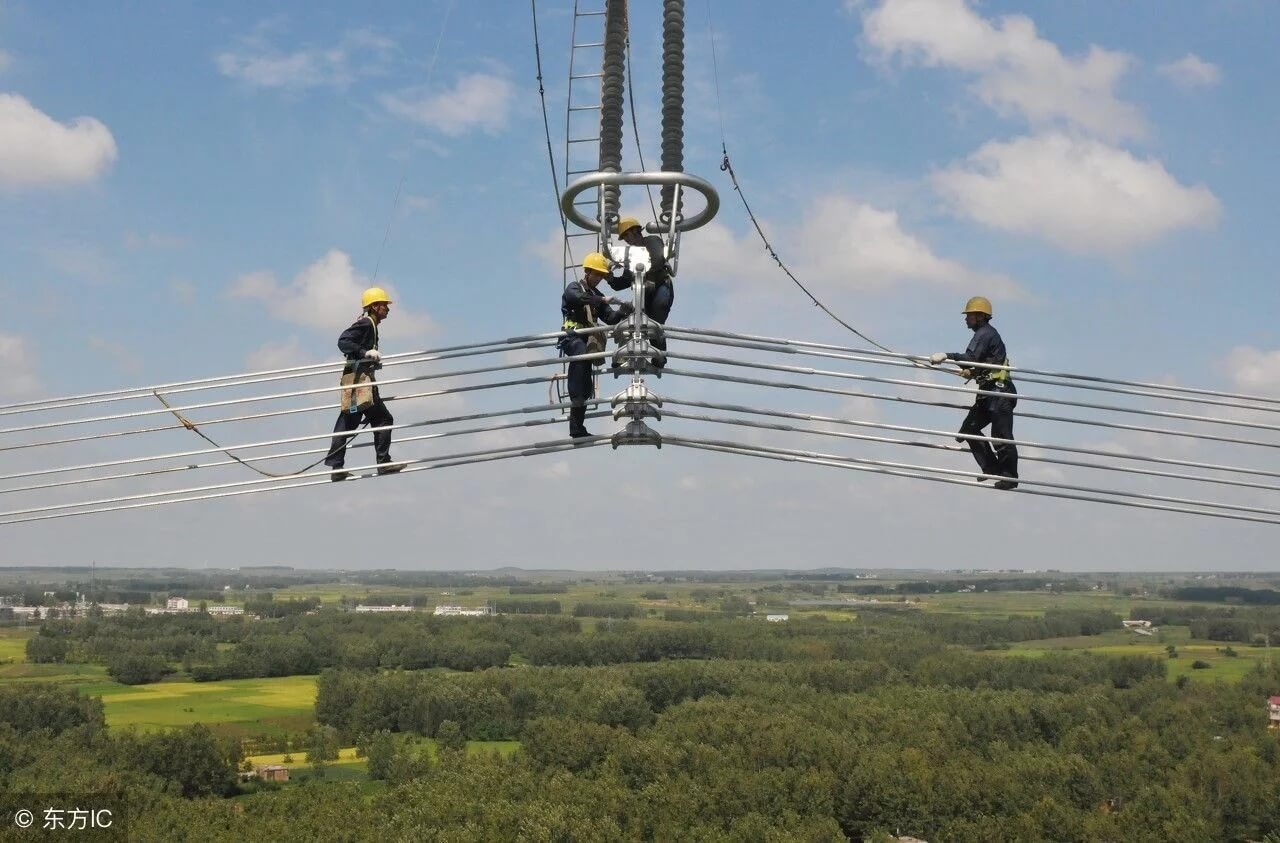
190, 190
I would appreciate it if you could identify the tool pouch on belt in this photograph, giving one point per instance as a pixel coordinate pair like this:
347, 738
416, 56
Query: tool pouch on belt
595, 342
360, 398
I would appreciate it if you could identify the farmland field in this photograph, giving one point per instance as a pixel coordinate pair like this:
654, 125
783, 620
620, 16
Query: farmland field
236, 707
13, 645
1222, 665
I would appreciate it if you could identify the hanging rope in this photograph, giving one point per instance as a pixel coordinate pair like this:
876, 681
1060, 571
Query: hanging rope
635, 129
546, 124
727, 166
191, 426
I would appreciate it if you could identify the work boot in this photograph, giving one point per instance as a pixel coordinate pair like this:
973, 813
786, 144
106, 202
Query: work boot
577, 422
1006, 484
390, 468
339, 476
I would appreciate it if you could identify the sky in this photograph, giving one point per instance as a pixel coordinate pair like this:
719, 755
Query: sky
190, 190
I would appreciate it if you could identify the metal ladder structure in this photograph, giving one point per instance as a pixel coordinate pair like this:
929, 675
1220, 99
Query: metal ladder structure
582, 121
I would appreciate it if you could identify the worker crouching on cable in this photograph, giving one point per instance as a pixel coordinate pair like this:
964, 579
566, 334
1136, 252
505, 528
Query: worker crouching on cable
995, 410
359, 344
659, 291
583, 307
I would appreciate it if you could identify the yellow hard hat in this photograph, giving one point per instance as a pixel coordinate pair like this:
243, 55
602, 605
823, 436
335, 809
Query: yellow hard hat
627, 223
977, 304
373, 295
596, 261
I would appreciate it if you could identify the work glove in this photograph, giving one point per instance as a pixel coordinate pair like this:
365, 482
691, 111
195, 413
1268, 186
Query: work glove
626, 309
373, 354
938, 357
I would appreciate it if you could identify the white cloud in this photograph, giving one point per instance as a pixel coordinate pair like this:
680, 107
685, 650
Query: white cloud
1254, 370
841, 243
22, 379
359, 53
478, 101
855, 245
278, 355
1017, 71
1081, 195
36, 150
1191, 71
325, 296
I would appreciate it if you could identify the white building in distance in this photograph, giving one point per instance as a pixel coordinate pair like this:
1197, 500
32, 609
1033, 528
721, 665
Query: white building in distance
459, 611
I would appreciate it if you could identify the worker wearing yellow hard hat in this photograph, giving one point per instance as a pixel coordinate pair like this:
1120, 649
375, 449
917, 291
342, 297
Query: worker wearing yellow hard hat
996, 399
583, 308
659, 290
359, 345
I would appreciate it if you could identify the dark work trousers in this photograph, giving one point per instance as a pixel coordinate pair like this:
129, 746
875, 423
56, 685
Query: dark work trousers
377, 415
581, 385
1002, 459
657, 306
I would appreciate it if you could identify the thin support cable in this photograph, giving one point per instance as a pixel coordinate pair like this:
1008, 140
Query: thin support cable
546, 123
277, 413
290, 440
994, 440
879, 359
267, 481
550, 448
635, 129
852, 393
1017, 371
922, 473
308, 370
984, 393
290, 454
549, 361
404, 172
887, 440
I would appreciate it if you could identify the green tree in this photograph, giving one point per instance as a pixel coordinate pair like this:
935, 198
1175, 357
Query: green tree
449, 736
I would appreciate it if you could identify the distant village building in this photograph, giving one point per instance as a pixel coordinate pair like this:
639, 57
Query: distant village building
1133, 624
225, 610
459, 611
776, 618
177, 604
1273, 712
272, 773
385, 609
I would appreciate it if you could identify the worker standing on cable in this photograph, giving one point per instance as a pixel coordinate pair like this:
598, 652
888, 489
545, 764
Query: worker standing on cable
1000, 458
359, 344
659, 291
583, 307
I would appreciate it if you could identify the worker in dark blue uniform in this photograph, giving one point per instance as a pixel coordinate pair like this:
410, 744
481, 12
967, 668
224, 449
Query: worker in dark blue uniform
359, 344
659, 291
1000, 458
583, 307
